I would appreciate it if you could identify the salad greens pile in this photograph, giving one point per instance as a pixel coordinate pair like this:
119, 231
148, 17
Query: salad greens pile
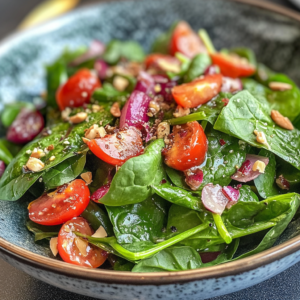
176, 160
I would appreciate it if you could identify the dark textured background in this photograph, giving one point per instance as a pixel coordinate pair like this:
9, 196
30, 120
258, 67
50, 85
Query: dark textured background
16, 285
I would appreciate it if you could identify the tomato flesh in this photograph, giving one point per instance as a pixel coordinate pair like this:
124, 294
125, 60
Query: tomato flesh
55, 208
199, 91
77, 90
68, 249
117, 148
231, 65
188, 147
186, 41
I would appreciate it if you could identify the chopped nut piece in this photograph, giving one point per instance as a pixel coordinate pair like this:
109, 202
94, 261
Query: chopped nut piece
166, 66
85, 140
281, 121
96, 108
280, 86
81, 245
100, 233
50, 147
163, 130
95, 132
78, 118
181, 112
37, 153
157, 88
87, 177
52, 158
53, 246
115, 110
34, 164
28, 152
259, 166
154, 107
65, 113
164, 106
261, 138
120, 83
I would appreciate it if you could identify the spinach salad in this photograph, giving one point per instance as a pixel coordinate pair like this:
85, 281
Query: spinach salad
180, 159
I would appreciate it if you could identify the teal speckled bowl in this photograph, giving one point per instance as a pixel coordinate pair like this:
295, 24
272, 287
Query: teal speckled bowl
272, 32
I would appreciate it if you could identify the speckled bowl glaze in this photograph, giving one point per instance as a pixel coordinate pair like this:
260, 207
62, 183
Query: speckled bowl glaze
273, 33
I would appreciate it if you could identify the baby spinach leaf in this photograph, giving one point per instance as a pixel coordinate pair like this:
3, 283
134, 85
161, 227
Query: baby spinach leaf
42, 232
247, 195
177, 178
120, 264
130, 50
139, 222
244, 114
96, 216
171, 259
265, 183
64, 172
132, 182
197, 67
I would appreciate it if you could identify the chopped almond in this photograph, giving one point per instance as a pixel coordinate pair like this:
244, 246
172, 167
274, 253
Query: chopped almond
34, 164
82, 246
261, 138
78, 118
281, 121
87, 177
37, 153
95, 132
53, 246
100, 233
120, 83
50, 147
65, 113
85, 140
181, 112
96, 108
280, 86
163, 130
259, 166
115, 110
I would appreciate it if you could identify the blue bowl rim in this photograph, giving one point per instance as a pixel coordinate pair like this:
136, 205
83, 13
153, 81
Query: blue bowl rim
157, 278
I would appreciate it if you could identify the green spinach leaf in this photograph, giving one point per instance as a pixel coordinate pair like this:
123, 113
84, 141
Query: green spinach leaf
197, 66
42, 232
244, 114
132, 182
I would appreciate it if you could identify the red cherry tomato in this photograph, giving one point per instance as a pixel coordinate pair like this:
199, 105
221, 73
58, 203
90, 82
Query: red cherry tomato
75, 250
197, 92
232, 65
65, 203
77, 90
187, 148
116, 148
162, 62
186, 41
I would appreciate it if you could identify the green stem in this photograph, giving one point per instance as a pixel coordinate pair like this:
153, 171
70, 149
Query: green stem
222, 228
183, 120
5, 154
182, 58
207, 41
147, 253
204, 124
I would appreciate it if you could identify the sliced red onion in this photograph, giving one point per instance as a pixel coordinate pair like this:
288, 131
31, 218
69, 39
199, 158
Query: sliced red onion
245, 172
282, 183
195, 179
27, 125
2, 168
101, 68
231, 85
134, 112
96, 49
207, 257
231, 194
213, 199
163, 87
101, 192
211, 70
145, 83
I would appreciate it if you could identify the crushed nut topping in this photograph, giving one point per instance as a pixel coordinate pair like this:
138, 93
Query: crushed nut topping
65, 113
115, 110
280, 86
85, 140
95, 132
37, 153
120, 83
181, 112
78, 118
82, 246
100, 233
261, 138
163, 130
281, 121
28, 152
87, 177
259, 166
53, 246
34, 164
96, 108
50, 147
52, 158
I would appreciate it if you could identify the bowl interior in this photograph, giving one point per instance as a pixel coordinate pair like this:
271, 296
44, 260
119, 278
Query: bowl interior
274, 38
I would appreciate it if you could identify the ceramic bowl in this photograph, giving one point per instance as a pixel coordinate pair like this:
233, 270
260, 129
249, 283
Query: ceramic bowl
272, 32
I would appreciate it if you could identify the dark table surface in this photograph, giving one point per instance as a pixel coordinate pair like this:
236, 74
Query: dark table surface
16, 285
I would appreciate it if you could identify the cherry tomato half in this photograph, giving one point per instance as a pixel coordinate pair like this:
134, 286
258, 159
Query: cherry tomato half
77, 90
187, 148
65, 203
75, 250
232, 65
116, 148
162, 63
199, 91
186, 41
